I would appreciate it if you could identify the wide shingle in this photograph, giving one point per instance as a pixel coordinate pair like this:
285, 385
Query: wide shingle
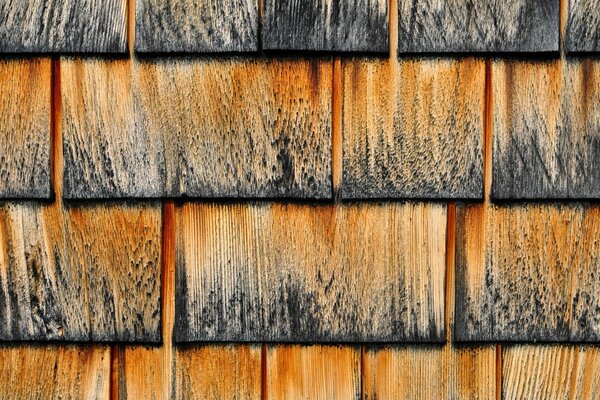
63, 26
310, 273
546, 129
197, 127
413, 129
326, 25
25, 128
442, 26
194, 26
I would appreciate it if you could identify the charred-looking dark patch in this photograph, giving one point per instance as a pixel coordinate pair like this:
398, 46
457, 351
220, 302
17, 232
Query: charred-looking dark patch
583, 34
310, 273
478, 26
196, 26
63, 26
326, 25
527, 273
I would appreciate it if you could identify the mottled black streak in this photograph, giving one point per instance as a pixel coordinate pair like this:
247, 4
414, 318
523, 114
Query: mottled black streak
440, 26
326, 25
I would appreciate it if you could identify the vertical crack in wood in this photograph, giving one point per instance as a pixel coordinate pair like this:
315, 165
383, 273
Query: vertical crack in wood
263, 372
499, 371
56, 159
487, 133
168, 294
114, 372
450, 265
337, 134
362, 372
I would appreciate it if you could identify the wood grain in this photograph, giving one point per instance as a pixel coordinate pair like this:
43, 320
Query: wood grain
25, 128
197, 128
63, 26
550, 372
528, 273
79, 273
426, 372
313, 372
440, 26
192, 26
310, 273
546, 129
583, 34
326, 25
413, 129
54, 372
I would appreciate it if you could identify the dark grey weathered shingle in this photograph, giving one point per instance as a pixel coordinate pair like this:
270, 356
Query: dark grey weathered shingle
583, 26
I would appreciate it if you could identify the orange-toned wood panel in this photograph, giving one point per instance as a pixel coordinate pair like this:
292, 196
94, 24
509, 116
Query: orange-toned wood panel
550, 372
25, 128
413, 129
306, 273
430, 372
197, 127
528, 272
313, 372
54, 372
80, 272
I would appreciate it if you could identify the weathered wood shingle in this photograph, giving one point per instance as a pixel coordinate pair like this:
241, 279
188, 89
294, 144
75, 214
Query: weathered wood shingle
54, 372
197, 127
310, 273
528, 273
79, 273
443, 26
413, 130
25, 128
164, 26
546, 129
63, 26
326, 25
583, 26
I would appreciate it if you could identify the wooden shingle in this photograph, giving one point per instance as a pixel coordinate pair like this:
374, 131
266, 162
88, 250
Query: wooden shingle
443, 26
326, 25
583, 26
80, 273
197, 128
310, 273
63, 26
25, 128
194, 26
546, 129
54, 372
528, 273
413, 129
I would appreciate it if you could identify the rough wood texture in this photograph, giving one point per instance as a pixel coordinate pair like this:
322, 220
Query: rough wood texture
546, 129
313, 372
326, 25
191, 26
425, 372
414, 129
54, 372
276, 272
197, 127
550, 372
442, 26
528, 272
63, 26
218, 372
80, 273
583, 26
25, 128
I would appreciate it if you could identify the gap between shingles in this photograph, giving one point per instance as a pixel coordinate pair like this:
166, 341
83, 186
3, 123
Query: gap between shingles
499, 371
168, 292
114, 372
336, 127
450, 265
263, 372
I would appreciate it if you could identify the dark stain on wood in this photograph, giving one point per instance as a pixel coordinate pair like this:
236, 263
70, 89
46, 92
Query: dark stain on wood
413, 129
197, 128
63, 26
25, 128
546, 124
192, 26
326, 25
270, 272
80, 273
527, 273
441, 26
583, 26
